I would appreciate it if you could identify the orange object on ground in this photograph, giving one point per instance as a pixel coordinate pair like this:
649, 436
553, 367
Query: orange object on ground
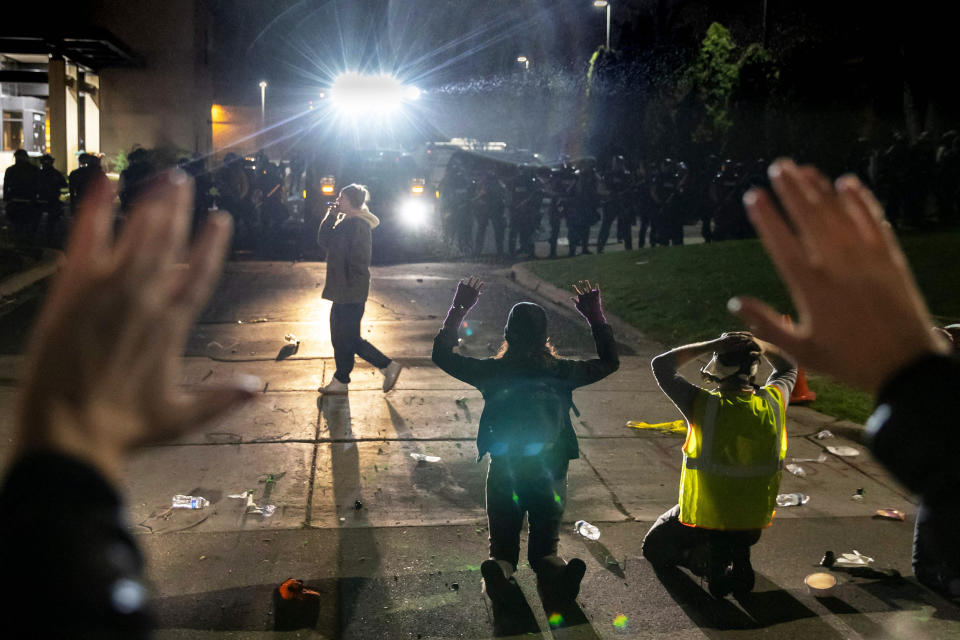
801, 392
292, 589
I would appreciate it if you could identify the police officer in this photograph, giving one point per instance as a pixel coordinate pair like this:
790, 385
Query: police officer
525, 200
584, 201
560, 191
725, 192
618, 182
666, 194
891, 177
135, 178
50, 184
489, 202
83, 177
455, 191
20, 196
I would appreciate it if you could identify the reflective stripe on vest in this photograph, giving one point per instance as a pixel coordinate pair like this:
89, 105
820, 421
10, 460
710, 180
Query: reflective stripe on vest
704, 462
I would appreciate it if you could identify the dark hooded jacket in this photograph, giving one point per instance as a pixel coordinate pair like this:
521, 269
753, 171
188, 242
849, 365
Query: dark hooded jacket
496, 377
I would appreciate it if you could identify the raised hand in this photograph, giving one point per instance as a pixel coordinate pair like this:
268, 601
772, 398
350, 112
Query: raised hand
588, 301
103, 369
468, 292
861, 316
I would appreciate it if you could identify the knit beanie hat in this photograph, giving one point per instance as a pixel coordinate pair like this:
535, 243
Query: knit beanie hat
526, 325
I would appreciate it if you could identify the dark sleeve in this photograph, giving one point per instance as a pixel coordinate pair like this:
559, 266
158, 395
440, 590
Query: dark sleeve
913, 430
361, 243
681, 392
473, 371
325, 229
70, 567
584, 372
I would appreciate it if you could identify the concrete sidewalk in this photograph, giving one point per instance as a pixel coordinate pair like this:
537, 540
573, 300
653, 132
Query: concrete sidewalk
405, 562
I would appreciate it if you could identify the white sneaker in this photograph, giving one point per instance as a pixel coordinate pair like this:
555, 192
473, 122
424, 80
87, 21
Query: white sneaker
390, 374
334, 387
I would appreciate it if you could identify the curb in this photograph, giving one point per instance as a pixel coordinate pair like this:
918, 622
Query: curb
624, 331
629, 334
16, 283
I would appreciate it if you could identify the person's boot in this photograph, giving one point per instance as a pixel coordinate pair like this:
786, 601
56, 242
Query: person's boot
334, 388
742, 576
497, 586
718, 576
570, 578
390, 374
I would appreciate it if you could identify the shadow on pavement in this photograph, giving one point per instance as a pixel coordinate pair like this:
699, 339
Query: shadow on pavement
761, 609
566, 619
516, 619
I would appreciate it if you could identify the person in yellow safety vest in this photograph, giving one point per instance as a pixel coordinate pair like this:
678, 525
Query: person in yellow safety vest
732, 459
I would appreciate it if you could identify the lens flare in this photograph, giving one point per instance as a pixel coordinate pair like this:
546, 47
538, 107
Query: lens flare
555, 619
620, 622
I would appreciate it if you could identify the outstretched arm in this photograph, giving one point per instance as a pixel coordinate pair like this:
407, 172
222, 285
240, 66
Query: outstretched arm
103, 377
469, 370
589, 305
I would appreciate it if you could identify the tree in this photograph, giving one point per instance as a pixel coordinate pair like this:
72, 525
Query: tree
715, 74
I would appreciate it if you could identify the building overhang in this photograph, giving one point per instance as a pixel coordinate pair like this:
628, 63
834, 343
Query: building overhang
93, 48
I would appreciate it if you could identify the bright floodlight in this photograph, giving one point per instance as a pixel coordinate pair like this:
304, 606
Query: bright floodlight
414, 212
357, 93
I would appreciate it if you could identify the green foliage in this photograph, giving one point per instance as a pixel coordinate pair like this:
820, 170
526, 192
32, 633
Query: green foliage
677, 295
715, 74
119, 162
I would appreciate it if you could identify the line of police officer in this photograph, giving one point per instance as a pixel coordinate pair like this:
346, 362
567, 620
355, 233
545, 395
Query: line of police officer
660, 197
32, 195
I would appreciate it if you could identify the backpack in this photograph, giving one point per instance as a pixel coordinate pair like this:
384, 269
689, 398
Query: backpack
527, 417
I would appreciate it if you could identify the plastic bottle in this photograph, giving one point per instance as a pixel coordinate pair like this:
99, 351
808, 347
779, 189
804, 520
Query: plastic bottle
189, 502
792, 499
586, 529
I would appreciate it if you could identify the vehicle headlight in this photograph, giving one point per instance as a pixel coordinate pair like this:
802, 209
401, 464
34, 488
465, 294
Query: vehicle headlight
414, 212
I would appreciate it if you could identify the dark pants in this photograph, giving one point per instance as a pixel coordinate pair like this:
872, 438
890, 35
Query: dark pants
499, 229
931, 565
345, 336
669, 543
619, 211
536, 486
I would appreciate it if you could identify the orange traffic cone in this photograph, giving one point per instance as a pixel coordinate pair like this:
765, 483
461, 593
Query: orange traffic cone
801, 392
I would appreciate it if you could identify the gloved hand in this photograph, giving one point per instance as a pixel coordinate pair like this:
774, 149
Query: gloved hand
588, 303
468, 292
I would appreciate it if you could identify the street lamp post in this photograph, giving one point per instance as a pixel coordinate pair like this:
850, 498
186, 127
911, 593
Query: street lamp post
525, 61
263, 101
604, 4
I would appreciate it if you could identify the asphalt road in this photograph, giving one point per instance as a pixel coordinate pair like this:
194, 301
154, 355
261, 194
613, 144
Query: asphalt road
394, 545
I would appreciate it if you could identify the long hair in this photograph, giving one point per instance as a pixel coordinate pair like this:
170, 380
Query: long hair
545, 352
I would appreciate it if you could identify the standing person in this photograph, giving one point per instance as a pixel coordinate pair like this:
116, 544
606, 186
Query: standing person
525, 427
50, 183
583, 211
345, 233
561, 185
135, 179
617, 206
490, 202
527, 197
931, 565
733, 455
83, 177
20, 195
